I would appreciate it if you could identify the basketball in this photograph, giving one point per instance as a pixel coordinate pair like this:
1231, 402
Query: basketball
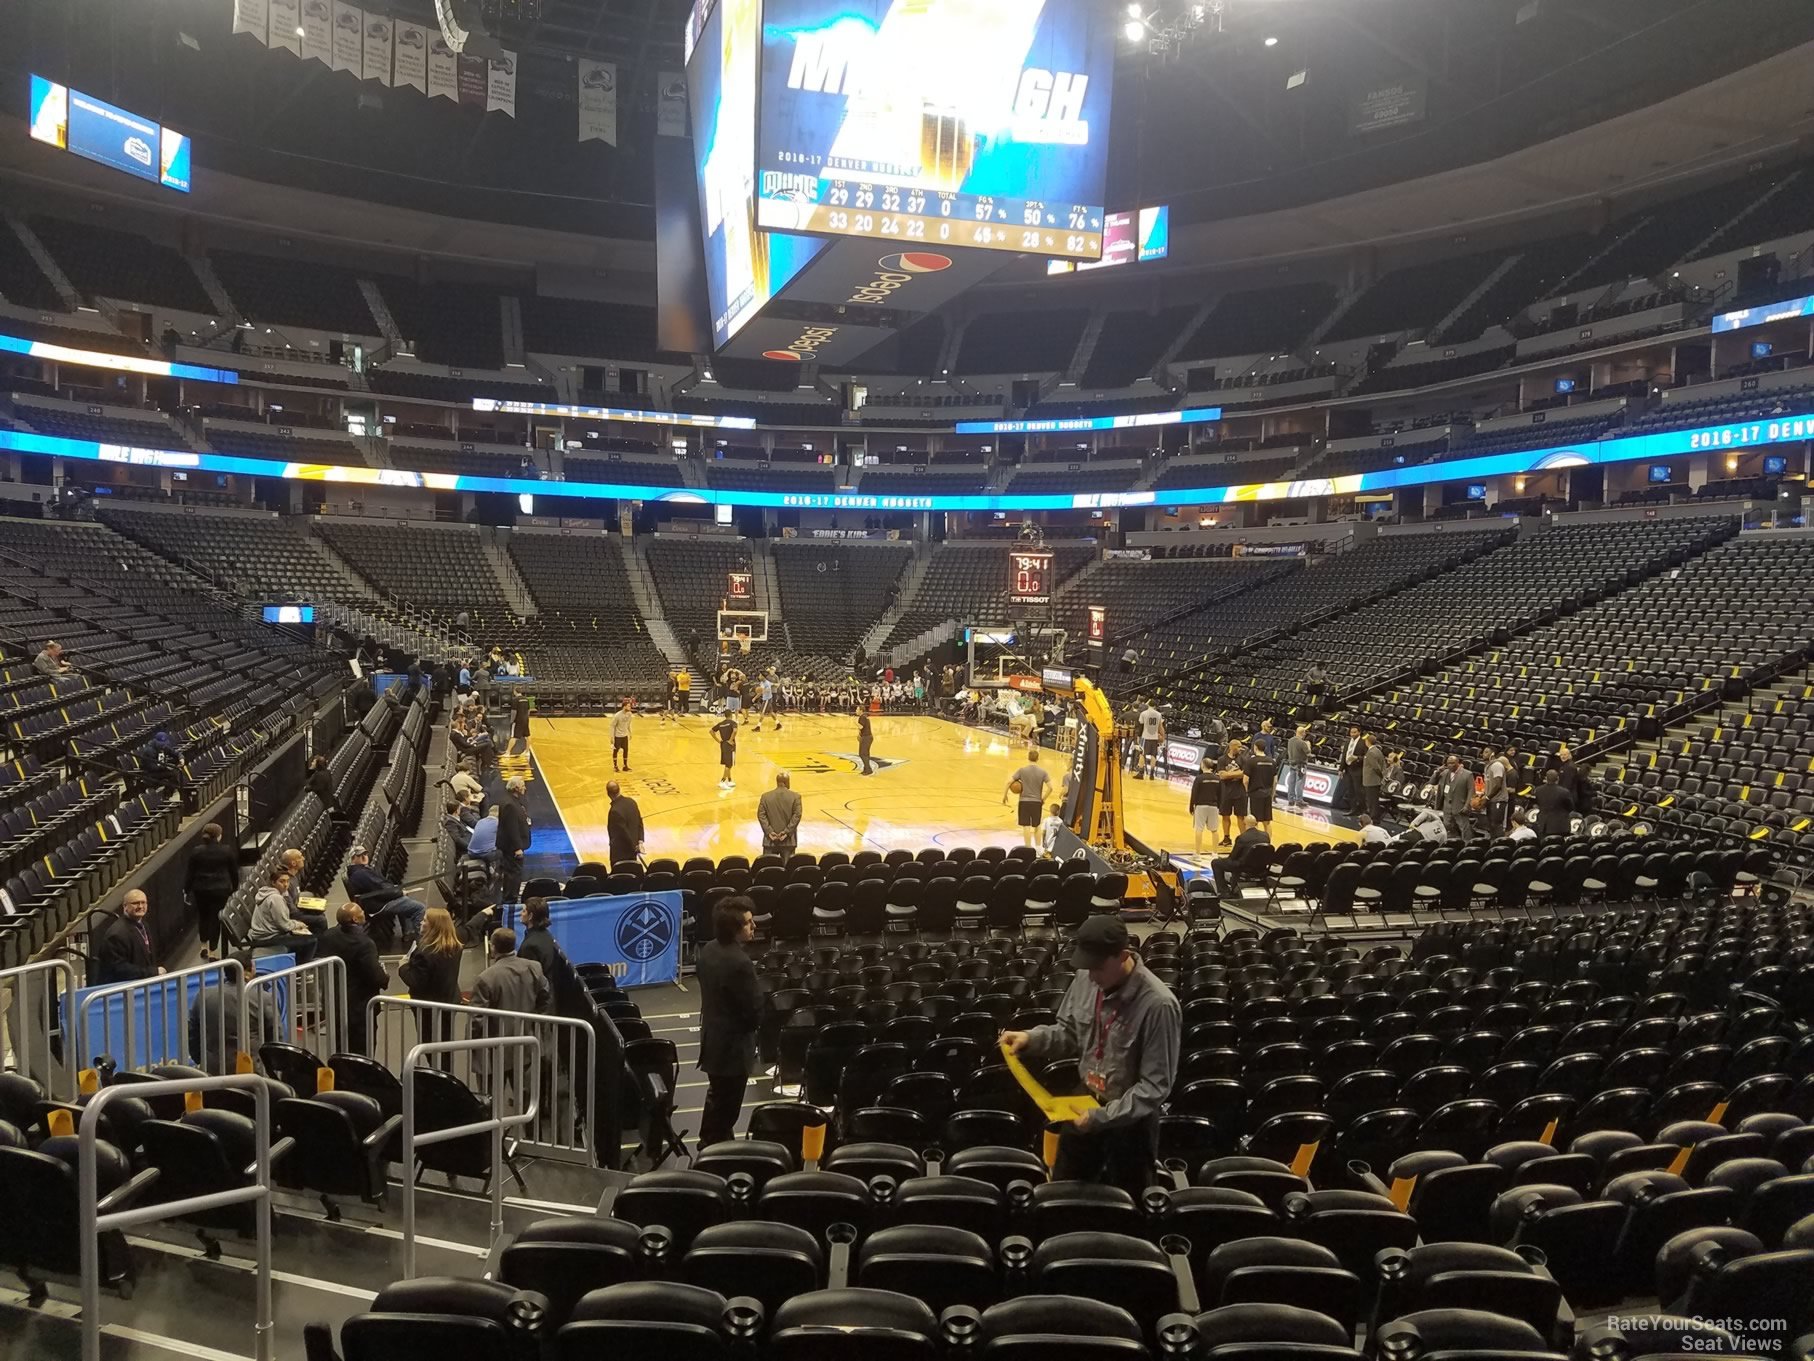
1014, 785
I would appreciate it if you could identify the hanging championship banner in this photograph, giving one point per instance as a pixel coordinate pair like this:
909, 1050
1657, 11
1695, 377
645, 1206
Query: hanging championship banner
286, 26
411, 60
317, 30
253, 17
349, 31
671, 105
474, 75
597, 101
378, 48
500, 85
443, 79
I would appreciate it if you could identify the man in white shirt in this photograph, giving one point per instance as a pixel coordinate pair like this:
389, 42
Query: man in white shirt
1372, 834
620, 734
1152, 731
1049, 830
1498, 794
765, 703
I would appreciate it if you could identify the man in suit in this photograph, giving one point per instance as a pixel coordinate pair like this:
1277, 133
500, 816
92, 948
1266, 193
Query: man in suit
366, 978
1454, 792
1555, 806
1373, 775
623, 825
1352, 754
122, 949
1574, 780
778, 814
513, 840
730, 1010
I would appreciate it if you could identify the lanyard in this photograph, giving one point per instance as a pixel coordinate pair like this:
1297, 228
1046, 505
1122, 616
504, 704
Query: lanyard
1102, 1031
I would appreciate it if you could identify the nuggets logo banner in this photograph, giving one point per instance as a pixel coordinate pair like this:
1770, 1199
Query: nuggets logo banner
937, 122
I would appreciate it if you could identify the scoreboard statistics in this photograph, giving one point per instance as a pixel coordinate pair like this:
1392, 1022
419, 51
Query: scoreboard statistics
1030, 578
977, 123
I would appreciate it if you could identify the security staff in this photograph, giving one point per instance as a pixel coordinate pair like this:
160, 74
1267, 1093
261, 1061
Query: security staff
1123, 1027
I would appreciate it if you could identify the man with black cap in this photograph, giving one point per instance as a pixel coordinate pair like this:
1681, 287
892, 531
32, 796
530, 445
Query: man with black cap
1123, 1025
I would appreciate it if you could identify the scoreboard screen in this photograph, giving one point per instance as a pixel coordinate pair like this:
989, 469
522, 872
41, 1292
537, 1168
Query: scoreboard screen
739, 588
1030, 578
939, 122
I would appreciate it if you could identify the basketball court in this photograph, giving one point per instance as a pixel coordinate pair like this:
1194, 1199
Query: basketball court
937, 783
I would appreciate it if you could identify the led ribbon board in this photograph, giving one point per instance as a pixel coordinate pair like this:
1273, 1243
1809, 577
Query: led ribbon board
1663, 444
119, 363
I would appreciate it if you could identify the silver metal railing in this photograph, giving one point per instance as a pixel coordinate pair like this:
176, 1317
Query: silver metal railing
154, 1020
526, 1069
38, 1002
314, 995
564, 1127
93, 1223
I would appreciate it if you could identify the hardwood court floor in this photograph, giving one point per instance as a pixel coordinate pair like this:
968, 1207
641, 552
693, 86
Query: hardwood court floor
940, 784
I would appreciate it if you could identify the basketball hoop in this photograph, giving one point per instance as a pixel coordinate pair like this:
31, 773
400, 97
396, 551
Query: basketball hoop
743, 644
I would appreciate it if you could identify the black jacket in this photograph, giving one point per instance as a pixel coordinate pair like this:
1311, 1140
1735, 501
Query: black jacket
321, 785
1554, 805
730, 1009
539, 946
367, 885
438, 974
365, 975
623, 825
513, 827
121, 954
213, 869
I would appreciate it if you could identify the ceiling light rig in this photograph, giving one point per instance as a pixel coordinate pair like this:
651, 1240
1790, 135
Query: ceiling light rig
1163, 31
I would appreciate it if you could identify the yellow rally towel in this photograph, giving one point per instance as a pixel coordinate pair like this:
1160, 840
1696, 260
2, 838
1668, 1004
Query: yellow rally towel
1054, 1108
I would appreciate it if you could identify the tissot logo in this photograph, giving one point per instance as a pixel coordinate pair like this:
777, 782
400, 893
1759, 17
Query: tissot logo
808, 343
895, 272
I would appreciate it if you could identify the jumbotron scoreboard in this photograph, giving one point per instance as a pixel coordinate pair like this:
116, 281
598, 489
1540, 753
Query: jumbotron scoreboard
979, 123
863, 162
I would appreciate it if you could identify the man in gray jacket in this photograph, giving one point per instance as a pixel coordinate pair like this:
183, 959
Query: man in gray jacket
1372, 776
1123, 1027
512, 983
1297, 761
778, 814
214, 1020
1454, 793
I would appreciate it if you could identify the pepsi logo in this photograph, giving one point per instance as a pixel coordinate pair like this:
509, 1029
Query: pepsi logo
781, 354
916, 262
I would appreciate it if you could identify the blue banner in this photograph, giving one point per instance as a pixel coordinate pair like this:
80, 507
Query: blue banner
636, 934
159, 1030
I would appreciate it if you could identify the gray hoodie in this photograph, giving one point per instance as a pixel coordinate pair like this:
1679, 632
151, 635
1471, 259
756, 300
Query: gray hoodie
271, 916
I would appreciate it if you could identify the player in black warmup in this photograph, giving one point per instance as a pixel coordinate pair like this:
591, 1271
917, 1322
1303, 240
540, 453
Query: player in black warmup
725, 729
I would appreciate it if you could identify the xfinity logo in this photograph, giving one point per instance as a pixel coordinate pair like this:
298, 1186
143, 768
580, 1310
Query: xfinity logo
809, 342
894, 272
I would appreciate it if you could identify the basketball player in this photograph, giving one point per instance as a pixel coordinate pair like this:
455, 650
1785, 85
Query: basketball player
725, 730
765, 702
620, 733
673, 708
1029, 784
864, 737
733, 693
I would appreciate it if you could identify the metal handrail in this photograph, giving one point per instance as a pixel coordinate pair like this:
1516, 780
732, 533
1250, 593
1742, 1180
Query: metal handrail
495, 1125
159, 988
561, 1134
92, 1223
319, 986
58, 1076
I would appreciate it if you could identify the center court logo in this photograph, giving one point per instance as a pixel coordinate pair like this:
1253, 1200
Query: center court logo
810, 340
895, 272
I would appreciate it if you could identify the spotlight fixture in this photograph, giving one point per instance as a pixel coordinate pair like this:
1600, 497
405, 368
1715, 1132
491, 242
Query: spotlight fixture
1134, 30
1271, 41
